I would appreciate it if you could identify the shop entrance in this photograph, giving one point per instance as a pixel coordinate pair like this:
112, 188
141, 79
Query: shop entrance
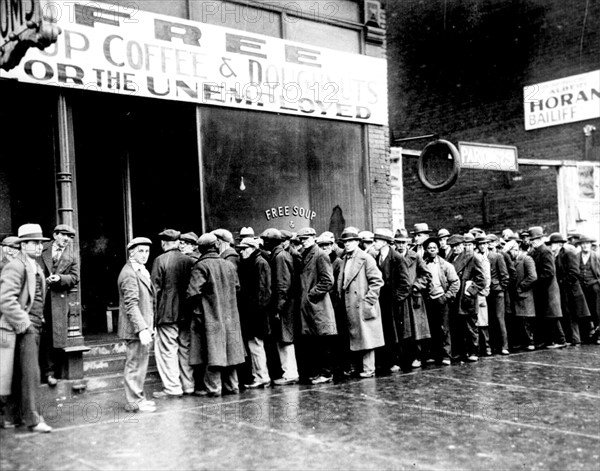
136, 174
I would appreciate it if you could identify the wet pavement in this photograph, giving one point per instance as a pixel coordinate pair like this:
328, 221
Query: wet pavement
534, 410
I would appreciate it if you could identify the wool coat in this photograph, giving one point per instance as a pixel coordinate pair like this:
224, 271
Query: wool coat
469, 269
359, 283
283, 318
255, 296
316, 281
573, 302
231, 256
525, 278
137, 302
415, 323
546, 293
61, 295
394, 292
217, 336
171, 276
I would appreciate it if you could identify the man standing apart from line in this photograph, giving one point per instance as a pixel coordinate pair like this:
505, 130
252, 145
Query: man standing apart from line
61, 269
137, 303
171, 275
22, 295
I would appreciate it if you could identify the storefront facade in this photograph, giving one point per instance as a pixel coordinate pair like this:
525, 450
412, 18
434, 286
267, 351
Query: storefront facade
194, 115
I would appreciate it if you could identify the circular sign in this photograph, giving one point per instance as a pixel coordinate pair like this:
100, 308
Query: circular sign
439, 165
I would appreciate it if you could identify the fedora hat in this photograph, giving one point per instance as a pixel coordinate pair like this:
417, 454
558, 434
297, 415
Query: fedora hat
326, 238
383, 234
246, 232
421, 228
536, 232
366, 236
31, 232
401, 235
555, 238
475, 231
455, 239
138, 241
350, 233
482, 239
583, 239
469, 238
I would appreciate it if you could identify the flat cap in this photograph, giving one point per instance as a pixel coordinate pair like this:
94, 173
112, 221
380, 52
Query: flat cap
169, 234
383, 234
455, 239
469, 237
11, 241
326, 238
206, 240
189, 237
272, 233
249, 242
401, 235
306, 232
138, 241
224, 235
65, 229
286, 235
443, 233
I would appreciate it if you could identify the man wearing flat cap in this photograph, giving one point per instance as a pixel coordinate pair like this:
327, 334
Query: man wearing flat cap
188, 244
217, 342
171, 275
225, 244
137, 304
22, 296
61, 268
9, 250
546, 293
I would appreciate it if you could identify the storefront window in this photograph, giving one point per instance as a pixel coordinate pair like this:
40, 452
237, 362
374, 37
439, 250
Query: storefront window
266, 170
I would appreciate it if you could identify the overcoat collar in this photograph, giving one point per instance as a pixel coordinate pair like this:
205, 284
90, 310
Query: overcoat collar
31, 272
357, 261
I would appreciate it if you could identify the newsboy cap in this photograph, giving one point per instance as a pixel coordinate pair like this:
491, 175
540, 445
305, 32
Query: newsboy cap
65, 229
248, 242
224, 235
169, 235
206, 240
272, 233
11, 241
469, 238
383, 234
189, 237
306, 232
286, 235
31, 232
455, 239
138, 241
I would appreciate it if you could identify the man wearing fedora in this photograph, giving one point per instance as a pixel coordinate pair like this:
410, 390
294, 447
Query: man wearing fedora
22, 296
170, 276
137, 305
9, 248
546, 293
61, 269
589, 276
445, 249
420, 234
572, 300
358, 284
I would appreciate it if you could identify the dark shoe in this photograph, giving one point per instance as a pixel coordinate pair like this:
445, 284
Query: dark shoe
229, 392
258, 384
286, 381
42, 427
51, 380
165, 395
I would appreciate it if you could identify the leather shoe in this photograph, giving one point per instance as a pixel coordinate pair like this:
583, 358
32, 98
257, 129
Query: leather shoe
322, 379
42, 427
285, 381
51, 380
165, 395
258, 384
366, 374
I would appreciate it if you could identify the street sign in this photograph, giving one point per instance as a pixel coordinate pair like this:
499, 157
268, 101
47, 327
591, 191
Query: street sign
488, 157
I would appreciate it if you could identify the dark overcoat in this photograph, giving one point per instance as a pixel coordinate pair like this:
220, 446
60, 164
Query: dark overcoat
522, 293
359, 286
61, 296
217, 336
171, 276
316, 281
395, 290
231, 256
469, 269
415, 323
255, 296
546, 293
137, 302
573, 302
283, 319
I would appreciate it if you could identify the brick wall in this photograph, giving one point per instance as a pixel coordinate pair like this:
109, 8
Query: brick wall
458, 69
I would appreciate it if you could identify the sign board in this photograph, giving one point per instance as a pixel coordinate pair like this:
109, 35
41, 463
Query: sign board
488, 157
566, 100
119, 49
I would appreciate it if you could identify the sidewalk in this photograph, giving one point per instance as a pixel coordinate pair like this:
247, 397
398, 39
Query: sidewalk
535, 410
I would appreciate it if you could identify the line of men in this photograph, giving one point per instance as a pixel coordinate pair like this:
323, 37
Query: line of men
328, 310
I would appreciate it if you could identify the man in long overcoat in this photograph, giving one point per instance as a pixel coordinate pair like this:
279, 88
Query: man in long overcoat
395, 289
546, 293
283, 319
359, 283
61, 268
316, 310
572, 301
137, 305
171, 276
589, 275
217, 336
